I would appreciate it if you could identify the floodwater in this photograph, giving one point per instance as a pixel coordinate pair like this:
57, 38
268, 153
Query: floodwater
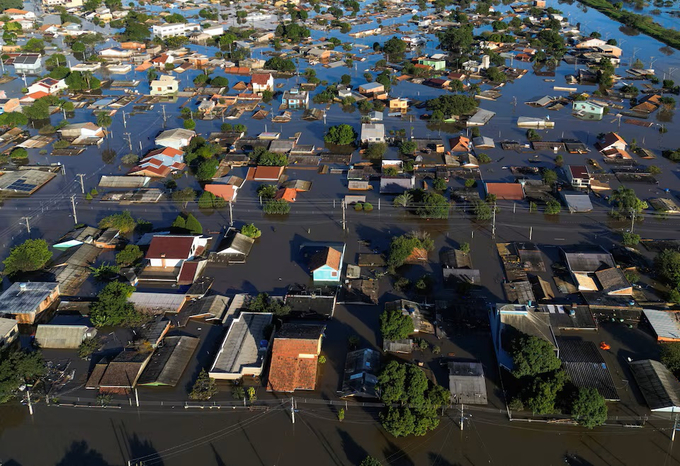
101, 437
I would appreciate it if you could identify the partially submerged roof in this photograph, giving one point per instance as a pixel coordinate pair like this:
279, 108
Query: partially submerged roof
157, 303
658, 385
588, 261
361, 373
25, 297
244, 347
170, 247
586, 366
666, 325
62, 336
121, 373
169, 361
328, 256
467, 383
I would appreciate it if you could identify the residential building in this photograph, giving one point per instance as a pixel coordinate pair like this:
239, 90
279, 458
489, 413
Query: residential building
412, 310
55, 336
121, 374
164, 31
265, 173
505, 191
398, 184
372, 132
10, 105
169, 361
467, 383
160, 163
169, 251
659, 386
437, 65
165, 85
578, 176
234, 247
25, 301
83, 133
360, 378
244, 348
588, 108
9, 331
398, 105
613, 282
295, 99
460, 144
286, 194
29, 63
227, 192
48, 85
326, 264
590, 43
294, 359
262, 82
611, 142
115, 53
175, 138
315, 303
371, 89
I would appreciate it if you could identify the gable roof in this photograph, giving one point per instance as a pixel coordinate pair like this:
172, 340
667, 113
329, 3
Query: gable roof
294, 357
287, 194
505, 191
327, 256
260, 78
225, 191
170, 247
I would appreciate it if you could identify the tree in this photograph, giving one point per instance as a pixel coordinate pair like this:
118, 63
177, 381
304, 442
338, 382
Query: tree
439, 184
105, 272
408, 147
29, 256
189, 124
16, 369
394, 49
264, 303
193, 225
266, 191
403, 200
589, 408
13, 119
552, 207
251, 231
209, 201
482, 210
543, 391
452, 105
122, 222
292, 32
483, 158
670, 356
341, 135
549, 177
433, 205
532, 356
394, 325
280, 64
112, 307
667, 266
88, 346
104, 120
204, 388
630, 239
276, 207
179, 223
19, 153
532, 135
375, 151
59, 72
129, 255
207, 169
34, 46
626, 201
456, 38
184, 195
403, 246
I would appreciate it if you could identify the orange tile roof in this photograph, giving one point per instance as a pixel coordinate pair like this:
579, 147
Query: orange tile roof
262, 173
506, 191
287, 194
225, 191
260, 78
328, 256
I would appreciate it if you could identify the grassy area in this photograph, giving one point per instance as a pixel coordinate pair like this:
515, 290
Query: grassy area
642, 23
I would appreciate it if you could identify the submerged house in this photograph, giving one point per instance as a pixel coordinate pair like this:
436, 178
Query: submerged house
326, 264
25, 301
294, 359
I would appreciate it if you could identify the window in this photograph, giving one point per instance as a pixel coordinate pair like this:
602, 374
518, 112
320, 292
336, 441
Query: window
334, 274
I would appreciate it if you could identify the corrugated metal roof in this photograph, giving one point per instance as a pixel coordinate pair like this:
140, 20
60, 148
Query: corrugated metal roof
62, 336
659, 387
665, 324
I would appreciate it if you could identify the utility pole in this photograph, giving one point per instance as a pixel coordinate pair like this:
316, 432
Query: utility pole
531, 232
632, 221
292, 411
30, 405
344, 214
28, 225
462, 417
675, 427
129, 138
231, 215
493, 226
163, 107
136, 397
124, 121
82, 185
73, 204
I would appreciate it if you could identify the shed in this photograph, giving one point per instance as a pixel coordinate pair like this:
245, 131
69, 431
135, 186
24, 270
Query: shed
577, 202
62, 336
404, 346
467, 383
169, 361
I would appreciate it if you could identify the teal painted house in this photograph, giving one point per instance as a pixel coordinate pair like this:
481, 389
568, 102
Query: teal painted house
326, 264
437, 65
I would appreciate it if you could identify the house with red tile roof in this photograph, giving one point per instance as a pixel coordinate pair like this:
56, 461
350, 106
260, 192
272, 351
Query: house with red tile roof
227, 192
295, 357
160, 163
505, 191
262, 82
286, 194
326, 264
264, 173
169, 251
460, 144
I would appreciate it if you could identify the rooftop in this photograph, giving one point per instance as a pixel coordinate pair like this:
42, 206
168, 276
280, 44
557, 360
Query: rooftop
467, 383
658, 385
244, 346
170, 247
169, 361
25, 297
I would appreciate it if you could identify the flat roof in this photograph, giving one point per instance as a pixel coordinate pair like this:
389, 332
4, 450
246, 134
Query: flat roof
168, 362
467, 383
658, 385
157, 302
244, 345
25, 297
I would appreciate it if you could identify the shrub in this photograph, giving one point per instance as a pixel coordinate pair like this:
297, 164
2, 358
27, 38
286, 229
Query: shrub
276, 207
130, 159
483, 158
368, 207
251, 231
358, 207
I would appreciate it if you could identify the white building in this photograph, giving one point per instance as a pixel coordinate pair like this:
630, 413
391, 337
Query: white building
164, 31
28, 63
262, 82
372, 132
170, 251
175, 138
48, 85
165, 85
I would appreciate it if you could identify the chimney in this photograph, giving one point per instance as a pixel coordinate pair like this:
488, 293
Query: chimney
23, 287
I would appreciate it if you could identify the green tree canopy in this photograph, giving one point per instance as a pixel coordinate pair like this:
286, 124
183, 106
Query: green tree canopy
452, 105
193, 226
129, 255
18, 368
31, 255
403, 246
280, 64
667, 266
589, 408
251, 231
341, 135
626, 201
433, 205
532, 356
370, 461
124, 222
112, 307
394, 325
265, 303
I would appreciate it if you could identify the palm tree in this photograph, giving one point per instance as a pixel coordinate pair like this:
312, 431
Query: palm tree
403, 200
